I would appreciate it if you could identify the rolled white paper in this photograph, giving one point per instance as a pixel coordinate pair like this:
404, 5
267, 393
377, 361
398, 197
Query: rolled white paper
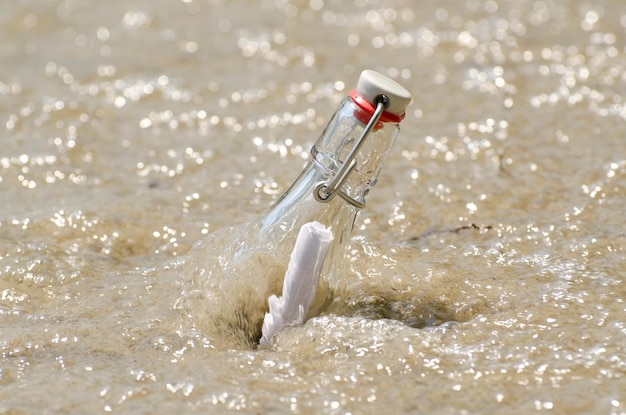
301, 280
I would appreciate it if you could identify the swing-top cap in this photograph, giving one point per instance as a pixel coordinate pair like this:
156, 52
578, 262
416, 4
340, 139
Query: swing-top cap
372, 84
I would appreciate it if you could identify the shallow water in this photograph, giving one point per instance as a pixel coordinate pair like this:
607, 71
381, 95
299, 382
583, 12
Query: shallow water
486, 273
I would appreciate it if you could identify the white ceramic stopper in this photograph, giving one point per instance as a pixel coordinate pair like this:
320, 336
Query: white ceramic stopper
372, 84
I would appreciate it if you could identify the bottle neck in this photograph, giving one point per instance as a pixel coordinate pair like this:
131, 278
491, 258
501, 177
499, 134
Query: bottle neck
352, 137
353, 148
341, 142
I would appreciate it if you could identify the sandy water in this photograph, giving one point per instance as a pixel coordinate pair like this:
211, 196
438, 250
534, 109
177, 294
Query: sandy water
487, 271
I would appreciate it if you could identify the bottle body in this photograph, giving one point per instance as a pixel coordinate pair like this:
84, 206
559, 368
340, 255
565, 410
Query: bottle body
231, 274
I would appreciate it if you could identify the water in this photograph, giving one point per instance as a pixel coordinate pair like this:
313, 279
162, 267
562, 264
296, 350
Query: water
487, 270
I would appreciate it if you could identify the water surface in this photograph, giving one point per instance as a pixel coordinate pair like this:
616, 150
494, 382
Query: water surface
487, 271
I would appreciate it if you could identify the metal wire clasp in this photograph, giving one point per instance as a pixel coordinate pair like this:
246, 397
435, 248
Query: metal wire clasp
326, 191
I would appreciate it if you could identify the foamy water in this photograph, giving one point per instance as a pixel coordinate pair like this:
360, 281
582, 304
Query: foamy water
487, 270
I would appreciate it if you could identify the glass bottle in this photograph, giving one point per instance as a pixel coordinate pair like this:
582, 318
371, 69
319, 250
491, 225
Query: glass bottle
231, 274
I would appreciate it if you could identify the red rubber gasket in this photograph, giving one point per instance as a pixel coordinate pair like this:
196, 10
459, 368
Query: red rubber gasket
369, 108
